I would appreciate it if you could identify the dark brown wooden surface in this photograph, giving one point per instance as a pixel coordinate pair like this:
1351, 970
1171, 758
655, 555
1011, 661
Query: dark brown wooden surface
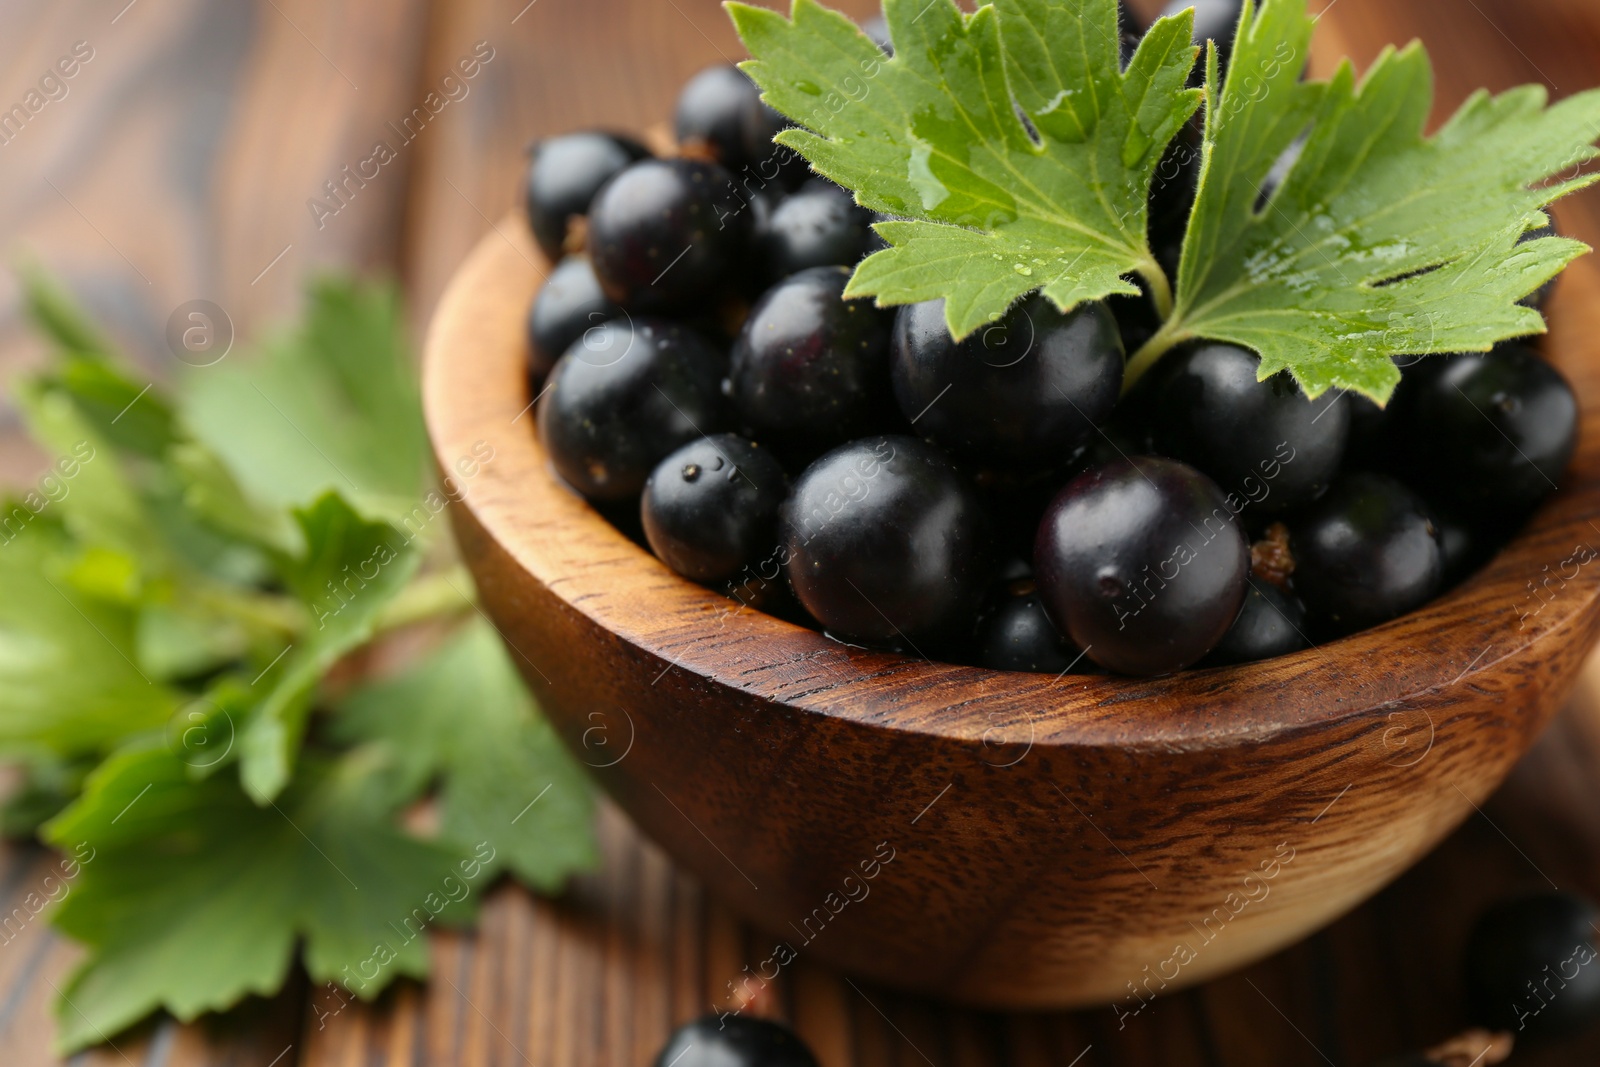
179, 166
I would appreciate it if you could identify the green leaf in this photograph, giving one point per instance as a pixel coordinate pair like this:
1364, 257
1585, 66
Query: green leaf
933, 135
464, 717
191, 897
58, 316
352, 567
334, 406
1381, 241
69, 681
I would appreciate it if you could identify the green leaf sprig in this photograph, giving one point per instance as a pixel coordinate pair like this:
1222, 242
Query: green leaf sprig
1017, 154
173, 597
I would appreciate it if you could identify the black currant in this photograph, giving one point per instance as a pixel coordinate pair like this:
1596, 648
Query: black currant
734, 1041
1531, 965
720, 116
711, 508
667, 233
1491, 431
1364, 553
1271, 623
564, 175
622, 398
1172, 193
1017, 635
1027, 390
886, 543
569, 303
1142, 564
818, 226
1263, 441
810, 369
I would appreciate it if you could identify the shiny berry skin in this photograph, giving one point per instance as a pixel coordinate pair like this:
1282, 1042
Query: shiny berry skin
819, 226
886, 543
1531, 965
569, 303
720, 115
1142, 564
564, 175
734, 1041
1492, 431
1027, 390
711, 507
1364, 553
622, 398
666, 233
1271, 623
810, 369
1017, 635
1262, 441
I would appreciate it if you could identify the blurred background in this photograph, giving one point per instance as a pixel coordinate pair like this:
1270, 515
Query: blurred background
186, 159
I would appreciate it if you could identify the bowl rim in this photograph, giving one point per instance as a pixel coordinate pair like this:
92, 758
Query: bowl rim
475, 391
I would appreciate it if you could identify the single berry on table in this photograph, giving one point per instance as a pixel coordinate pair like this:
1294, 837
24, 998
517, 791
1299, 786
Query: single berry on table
810, 369
720, 116
1027, 390
1531, 965
1142, 564
1364, 553
820, 225
624, 396
711, 508
666, 234
564, 175
886, 543
569, 304
1491, 431
734, 1041
1263, 441
1016, 634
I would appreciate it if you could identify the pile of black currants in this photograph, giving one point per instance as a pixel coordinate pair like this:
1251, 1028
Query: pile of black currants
1001, 501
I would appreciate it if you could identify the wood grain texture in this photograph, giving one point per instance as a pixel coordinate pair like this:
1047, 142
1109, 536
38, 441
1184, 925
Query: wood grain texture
581, 982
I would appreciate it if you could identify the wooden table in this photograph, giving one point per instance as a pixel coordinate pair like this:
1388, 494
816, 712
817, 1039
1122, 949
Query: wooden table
179, 166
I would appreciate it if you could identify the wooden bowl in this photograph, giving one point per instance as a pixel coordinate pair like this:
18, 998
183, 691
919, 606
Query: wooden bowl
1002, 839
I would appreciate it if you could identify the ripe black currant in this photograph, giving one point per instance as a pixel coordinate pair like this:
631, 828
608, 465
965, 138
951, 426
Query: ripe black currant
565, 173
819, 226
665, 234
734, 1041
622, 398
720, 116
1027, 390
1016, 634
1364, 553
1531, 965
1261, 440
569, 304
1142, 564
810, 369
886, 543
711, 507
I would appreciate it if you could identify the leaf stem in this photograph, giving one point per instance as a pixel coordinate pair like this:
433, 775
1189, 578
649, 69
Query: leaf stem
1164, 339
438, 595
1160, 287
280, 615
